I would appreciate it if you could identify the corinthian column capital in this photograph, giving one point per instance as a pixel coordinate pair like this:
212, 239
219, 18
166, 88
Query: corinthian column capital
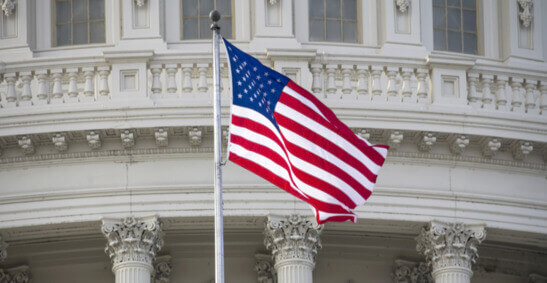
133, 239
450, 248
293, 237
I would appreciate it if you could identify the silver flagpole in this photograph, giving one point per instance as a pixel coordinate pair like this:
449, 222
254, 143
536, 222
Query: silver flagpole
219, 230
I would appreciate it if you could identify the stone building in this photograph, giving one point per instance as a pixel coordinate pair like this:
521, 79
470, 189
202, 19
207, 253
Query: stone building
106, 169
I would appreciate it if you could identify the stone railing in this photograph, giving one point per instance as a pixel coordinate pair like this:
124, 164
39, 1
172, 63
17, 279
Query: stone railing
376, 83
414, 84
48, 85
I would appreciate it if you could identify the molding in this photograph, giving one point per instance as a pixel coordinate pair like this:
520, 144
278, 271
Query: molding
132, 239
162, 269
264, 267
448, 246
292, 239
405, 271
19, 274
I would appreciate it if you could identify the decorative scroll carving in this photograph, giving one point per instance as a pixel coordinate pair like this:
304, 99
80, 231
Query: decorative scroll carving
19, 274
8, 7
162, 269
403, 5
364, 133
264, 267
60, 142
490, 146
426, 141
25, 142
525, 12
93, 140
394, 139
161, 136
458, 144
521, 149
128, 139
133, 239
194, 136
293, 237
405, 271
450, 244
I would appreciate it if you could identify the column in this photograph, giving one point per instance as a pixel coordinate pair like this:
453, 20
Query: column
451, 249
132, 247
294, 241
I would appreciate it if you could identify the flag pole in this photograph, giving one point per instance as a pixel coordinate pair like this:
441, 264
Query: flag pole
219, 230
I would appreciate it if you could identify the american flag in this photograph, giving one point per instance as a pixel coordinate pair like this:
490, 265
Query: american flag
284, 134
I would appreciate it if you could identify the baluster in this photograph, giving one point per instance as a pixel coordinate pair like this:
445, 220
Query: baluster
531, 97
331, 83
317, 85
11, 96
171, 82
26, 94
406, 90
187, 77
501, 96
516, 99
103, 82
202, 70
156, 83
473, 97
347, 70
392, 93
362, 82
72, 85
89, 87
543, 99
42, 87
376, 83
57, 93
487, 97
421, 91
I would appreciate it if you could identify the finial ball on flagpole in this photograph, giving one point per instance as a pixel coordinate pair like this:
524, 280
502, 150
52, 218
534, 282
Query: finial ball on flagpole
214, 15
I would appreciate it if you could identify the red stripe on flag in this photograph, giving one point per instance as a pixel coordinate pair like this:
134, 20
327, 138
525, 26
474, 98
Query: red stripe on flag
325, 144
341, 127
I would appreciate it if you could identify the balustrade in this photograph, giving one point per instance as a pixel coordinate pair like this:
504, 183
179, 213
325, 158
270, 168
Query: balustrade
364, 82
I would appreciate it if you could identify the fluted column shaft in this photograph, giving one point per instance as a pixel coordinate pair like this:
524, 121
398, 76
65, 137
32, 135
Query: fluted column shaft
294, 242
451, 249
132, 247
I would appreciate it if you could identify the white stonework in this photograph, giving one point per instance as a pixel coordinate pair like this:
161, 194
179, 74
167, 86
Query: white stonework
405, 271
124, 127
451, 249
132, 246
264, 267
294, 242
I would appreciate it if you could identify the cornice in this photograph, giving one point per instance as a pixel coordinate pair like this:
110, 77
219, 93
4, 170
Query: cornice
85, 146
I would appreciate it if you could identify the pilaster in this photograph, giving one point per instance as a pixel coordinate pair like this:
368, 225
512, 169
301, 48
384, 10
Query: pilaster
450, 249
294, 241
132, 247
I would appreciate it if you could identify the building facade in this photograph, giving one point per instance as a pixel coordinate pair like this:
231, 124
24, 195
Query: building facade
106, 170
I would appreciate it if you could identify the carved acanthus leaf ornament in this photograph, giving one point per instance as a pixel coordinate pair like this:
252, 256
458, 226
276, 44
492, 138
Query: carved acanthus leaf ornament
450, 244
294, 237
133, 239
